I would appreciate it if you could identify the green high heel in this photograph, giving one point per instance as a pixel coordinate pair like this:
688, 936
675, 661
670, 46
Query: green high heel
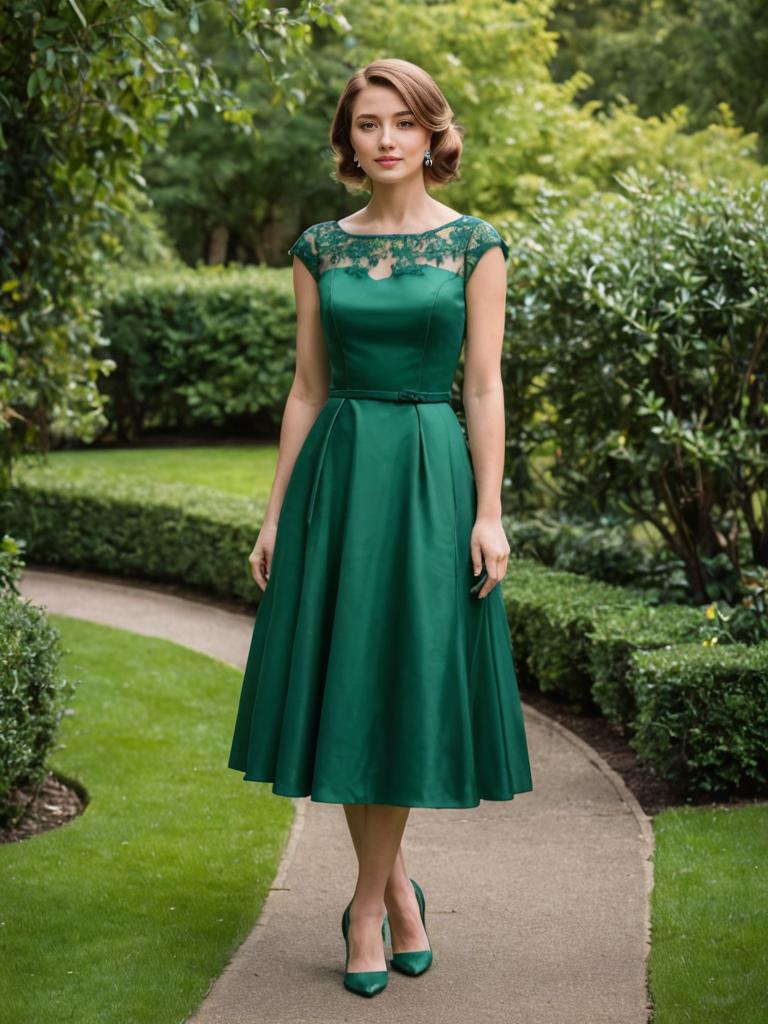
364, 983
416, 961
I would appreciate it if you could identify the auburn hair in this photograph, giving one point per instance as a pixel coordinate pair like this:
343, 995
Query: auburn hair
421, 94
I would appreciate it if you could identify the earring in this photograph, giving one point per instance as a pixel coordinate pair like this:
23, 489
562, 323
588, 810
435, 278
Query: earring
428, 157
354, 157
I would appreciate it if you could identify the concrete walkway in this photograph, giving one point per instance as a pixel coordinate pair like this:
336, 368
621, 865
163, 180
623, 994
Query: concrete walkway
537, 908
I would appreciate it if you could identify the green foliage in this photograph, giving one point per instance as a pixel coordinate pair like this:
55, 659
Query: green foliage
639, 358
32, 695
145, 530
207, 347
614, 637
702, 719
84, 92
745, 619
11, 563
552, 615
602, 549
696, 52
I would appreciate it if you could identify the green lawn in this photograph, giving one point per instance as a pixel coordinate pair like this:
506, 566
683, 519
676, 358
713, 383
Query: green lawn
127, 913
233, 469
709, 942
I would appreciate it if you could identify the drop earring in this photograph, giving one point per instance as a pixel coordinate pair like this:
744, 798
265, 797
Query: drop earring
428, 157
354, 157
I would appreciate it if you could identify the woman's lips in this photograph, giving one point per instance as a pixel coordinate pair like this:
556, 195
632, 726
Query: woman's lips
388, 161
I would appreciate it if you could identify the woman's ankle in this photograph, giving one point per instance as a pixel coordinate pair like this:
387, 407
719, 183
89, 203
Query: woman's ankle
365, 907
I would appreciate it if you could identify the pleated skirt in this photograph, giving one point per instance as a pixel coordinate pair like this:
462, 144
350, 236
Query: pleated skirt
373, 674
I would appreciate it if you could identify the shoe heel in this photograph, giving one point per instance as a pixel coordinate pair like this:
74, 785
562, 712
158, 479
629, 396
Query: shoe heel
364, 983
417, 961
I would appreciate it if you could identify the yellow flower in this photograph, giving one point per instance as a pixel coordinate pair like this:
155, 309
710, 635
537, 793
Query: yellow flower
711, 612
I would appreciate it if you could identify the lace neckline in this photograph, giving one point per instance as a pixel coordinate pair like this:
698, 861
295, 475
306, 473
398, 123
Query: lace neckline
396, 234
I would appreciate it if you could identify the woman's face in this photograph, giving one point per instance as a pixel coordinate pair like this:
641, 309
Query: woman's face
383, 126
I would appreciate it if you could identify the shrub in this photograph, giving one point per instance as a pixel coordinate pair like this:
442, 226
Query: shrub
172, 532
198, 347
702, 716
639, 360
32, 695
552, 615
618, 633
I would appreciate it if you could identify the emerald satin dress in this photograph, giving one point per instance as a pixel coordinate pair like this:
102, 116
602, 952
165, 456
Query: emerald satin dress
373, 674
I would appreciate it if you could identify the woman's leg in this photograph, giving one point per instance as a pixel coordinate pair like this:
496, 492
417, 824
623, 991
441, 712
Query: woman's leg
376, 845
407, 931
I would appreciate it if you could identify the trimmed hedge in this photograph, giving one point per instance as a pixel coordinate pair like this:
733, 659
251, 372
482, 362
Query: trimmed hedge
702, 716
210, 346
615, 637
165, 531
594, 643
552, 615
32, 695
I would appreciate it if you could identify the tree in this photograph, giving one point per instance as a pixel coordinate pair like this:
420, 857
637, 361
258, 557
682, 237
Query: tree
85, 89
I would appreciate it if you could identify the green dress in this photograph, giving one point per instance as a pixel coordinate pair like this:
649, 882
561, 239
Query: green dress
373, 674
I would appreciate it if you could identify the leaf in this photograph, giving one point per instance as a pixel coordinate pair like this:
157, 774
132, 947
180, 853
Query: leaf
78, 12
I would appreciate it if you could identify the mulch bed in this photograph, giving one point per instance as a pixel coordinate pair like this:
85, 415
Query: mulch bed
45, 807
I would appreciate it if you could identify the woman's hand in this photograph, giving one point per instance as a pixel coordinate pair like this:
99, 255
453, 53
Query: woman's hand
489, 544
261, 556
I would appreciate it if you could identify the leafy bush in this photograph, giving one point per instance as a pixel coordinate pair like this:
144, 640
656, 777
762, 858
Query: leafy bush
11, 562
702, 716
144, 529
198, 347
639, 359
552, 615
615, 636
745, 621
32, 695
602, 549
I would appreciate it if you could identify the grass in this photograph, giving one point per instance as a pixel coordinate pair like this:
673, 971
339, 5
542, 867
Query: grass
709, 953
128, 912
247, 471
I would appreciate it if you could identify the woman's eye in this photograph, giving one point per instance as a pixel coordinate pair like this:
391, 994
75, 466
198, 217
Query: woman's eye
366, 124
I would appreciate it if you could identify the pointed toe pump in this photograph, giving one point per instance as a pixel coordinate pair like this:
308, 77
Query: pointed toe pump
364, 983
416, 961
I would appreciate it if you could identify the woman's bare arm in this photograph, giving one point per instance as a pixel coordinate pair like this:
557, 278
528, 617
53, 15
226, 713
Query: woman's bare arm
307, 395
483, 398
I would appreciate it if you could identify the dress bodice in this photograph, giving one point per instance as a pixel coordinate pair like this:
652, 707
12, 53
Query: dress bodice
392, 306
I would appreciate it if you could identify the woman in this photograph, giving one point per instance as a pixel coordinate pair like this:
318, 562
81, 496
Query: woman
380, 674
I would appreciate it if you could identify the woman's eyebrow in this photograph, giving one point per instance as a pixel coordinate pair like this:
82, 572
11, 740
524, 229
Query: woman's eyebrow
398, 114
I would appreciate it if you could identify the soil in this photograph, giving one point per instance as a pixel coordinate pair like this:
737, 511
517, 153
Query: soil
43, 807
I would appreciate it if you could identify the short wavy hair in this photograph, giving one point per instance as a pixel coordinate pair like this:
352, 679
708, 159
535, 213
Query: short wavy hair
421, 94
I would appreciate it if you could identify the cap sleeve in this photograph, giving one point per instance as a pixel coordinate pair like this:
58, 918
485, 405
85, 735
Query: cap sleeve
305, 247
483, 237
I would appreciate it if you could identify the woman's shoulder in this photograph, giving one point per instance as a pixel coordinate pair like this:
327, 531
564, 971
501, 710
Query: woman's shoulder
308, 247
317, 231
482, 235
